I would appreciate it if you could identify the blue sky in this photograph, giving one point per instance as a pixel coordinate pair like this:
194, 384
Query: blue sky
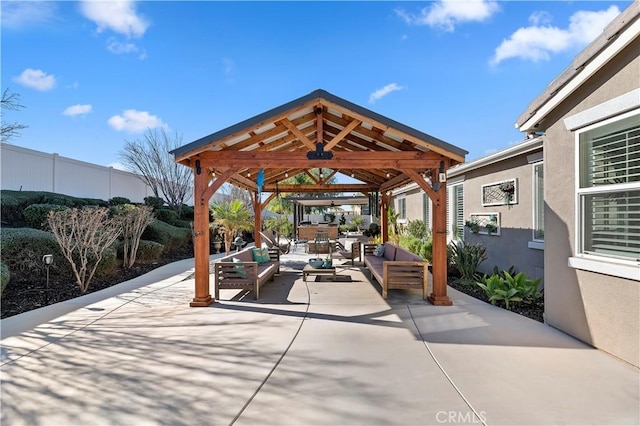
92, 75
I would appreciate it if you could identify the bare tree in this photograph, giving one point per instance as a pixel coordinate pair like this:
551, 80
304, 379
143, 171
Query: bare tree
134, 220
10, 101
150, 158
83, 236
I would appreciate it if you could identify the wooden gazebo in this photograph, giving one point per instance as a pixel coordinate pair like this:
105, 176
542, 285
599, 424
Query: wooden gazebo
319, 130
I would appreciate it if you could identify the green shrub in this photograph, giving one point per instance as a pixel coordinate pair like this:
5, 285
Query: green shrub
155, 203
167, 215
171, 237
5, 276
184, 224
417, 229
467, 258
186, 213
149, 251
23, 248
96, 202
36, 215
15, 202
509, 288
117, 201
373, 231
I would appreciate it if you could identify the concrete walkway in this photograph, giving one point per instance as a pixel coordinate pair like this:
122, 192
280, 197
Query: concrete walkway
313, 353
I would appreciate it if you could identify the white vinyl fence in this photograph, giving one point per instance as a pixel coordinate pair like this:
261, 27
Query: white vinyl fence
29, 170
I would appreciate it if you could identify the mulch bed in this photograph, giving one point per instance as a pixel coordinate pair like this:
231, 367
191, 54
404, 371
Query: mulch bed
534, 310
28, 292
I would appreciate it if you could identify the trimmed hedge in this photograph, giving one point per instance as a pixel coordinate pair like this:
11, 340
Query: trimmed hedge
36, 215
184, 224
155, 203
148, 251
171, 237
5, 276
15, 202
117, 201
167, 215
23, 248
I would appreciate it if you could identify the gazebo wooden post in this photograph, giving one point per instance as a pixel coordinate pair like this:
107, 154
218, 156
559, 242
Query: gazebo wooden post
201, 238
384, 219
439, 258
257, 218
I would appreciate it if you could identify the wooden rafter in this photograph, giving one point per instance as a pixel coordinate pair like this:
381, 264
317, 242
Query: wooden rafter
298, 134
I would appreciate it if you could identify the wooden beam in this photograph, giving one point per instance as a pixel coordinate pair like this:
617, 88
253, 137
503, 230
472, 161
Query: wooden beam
319, 124
313, 178
330, 175
266, 202
340, 160
392, 183
439, 256
337, 138
384, 217
215, 185
257, 218
298, 134
417, 178
201, 240
337, 187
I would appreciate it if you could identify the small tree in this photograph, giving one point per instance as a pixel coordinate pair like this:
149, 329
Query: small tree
134, 220
83, 236
280, 225
151, 159
231, 217
357, 221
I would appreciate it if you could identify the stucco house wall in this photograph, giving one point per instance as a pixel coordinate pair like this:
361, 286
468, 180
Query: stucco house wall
513, 244
599, 303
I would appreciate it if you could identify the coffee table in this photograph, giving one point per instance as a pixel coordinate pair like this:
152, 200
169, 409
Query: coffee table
308, 270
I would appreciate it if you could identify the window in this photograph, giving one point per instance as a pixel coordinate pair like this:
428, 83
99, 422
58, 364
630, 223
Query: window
455, 212
609, 189
402, 208
426, 204
538, 202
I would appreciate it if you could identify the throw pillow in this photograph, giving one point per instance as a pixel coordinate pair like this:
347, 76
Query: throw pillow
260, 255
239, 268
379, 251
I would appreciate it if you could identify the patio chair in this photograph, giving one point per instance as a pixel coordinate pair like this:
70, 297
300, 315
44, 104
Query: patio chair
283, 247
355, 251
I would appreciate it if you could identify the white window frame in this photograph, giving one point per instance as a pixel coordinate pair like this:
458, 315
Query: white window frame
402, 208
534, 203
513, 201
451, 212
426, 211
600, 263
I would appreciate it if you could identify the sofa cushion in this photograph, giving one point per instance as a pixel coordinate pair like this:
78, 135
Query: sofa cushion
389, 251
379, 250
407, 256
260, 255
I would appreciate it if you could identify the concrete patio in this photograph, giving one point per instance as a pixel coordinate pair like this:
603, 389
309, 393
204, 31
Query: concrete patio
314, 353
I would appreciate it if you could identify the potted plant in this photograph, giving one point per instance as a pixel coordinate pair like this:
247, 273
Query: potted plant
491, 228
508, 188
328, 262
473, 226
217, 242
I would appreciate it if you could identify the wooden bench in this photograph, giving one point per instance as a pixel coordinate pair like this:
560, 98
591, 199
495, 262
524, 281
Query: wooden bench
397, 269
246, 274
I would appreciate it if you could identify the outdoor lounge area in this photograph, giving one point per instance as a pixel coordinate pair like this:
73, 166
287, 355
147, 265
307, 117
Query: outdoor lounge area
314, 352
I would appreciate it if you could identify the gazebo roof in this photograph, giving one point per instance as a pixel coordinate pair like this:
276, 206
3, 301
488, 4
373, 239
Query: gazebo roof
285, 140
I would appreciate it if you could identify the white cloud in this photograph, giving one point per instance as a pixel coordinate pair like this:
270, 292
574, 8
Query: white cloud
135, 121
380, 93
74, 110
119, 48
537, 42
21, 14
36, 79
446, 14
118, 16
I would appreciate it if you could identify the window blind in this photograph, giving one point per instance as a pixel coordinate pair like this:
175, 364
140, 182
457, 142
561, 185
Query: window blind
612, 159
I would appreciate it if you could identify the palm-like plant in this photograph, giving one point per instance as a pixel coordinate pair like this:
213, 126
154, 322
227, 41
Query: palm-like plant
231, 217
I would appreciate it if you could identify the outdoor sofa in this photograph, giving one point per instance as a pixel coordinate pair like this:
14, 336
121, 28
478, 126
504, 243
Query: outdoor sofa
240, 271
396, 268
